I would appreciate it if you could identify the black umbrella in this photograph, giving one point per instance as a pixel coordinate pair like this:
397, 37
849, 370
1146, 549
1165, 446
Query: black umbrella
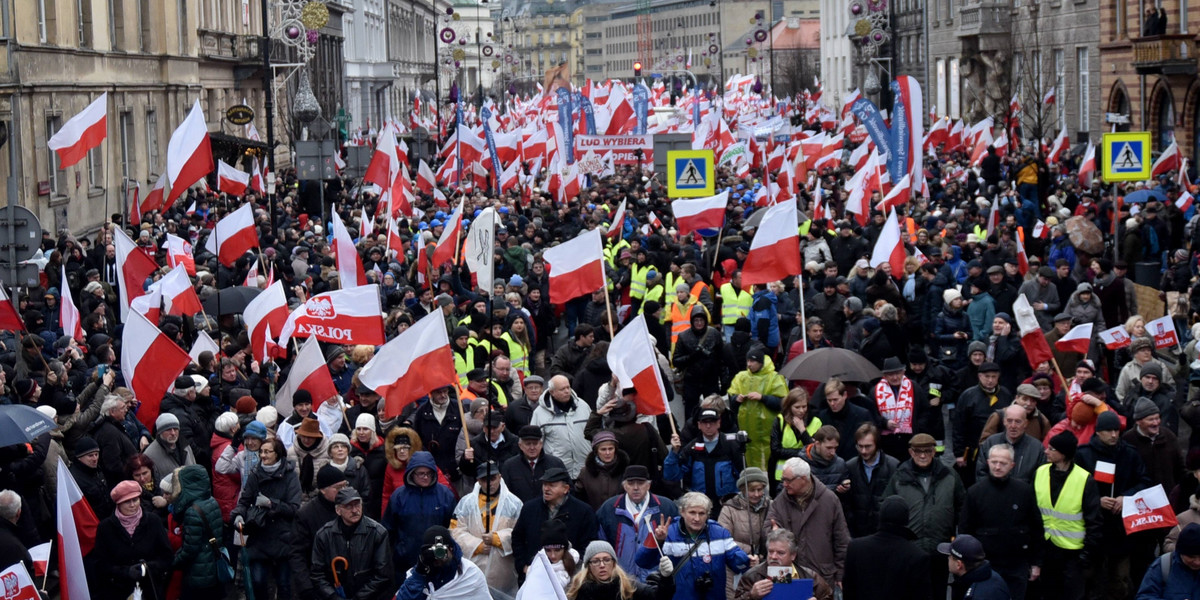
21, 424
824, 363
230, 301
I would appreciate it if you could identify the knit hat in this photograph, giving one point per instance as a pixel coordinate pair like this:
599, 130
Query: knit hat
1065, 443
1140, 343
1108, 421
183, 383
854, 304
893, 516
25, 388
1082, 413
1151, 368
756, 354
268, 415
256, 430
339, 438
329, 475
951, 295
164, 422
976, 346
1144, 407
245, 406
1189, 541
301, 397
125, 490
85, 445
366, 421
752, 475
227, 422
554, 533
598, 547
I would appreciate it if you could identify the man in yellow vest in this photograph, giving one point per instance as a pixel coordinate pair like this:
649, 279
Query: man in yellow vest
1070, 507
638, 270
654, 290
735, 303
671, 279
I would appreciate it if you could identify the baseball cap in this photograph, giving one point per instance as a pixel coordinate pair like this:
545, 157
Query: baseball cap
964, 547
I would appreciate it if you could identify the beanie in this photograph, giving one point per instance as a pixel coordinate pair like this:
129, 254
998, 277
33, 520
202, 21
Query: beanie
554, 533
256, 430
245, 405
329, 475
227, 423
339, 438
976, 346
1108, 421
1082, 413
1189, 541
1145, 407
165, 422
951, 295
86, 445
300, 397
751, 475
366, 421
893, 513
1065, 443
598, 547
268, 416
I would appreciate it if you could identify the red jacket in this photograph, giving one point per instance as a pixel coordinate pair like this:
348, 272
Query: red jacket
225, 487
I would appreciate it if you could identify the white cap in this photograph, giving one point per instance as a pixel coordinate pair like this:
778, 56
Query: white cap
48, 411
268, 416
366, 421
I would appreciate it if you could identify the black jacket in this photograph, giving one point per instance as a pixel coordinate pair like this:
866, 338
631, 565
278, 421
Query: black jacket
981, 583
439, 439
12, 551
700, 355
1130, 478
311, 517
270, 529
365, 547
1004, 515
524, 482
108, 564
195, 424
886, 564
971, 414
862, 503
846, 422
115, 448
656, 587
504, 450
94, 486
579, 518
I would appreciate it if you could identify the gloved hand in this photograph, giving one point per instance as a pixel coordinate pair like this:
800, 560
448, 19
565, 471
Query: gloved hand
238, 521
262, 501
135, 572
665, 567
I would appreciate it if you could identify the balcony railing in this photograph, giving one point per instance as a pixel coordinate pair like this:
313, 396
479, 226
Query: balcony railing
983, 19
1173, 54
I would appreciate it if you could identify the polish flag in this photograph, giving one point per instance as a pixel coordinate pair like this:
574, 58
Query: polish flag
618, 223
425, 178
993, 219
449, 240
1061, 143
150, 362
133, 269
252, 275
1040, 230
148, 305
1087, 167
18, 584
510, 179
1048, 99
135, 205
9, 319
384, 161
1115, 338
1169, 160
82, 133
204, 343
179, 297
68, 313
576, 267
700, 213
889, 247
155, 199
900, 194
308, 373
1032, 338
1184, 201
394, 242
230, 180
656, 223
1106, 472
635, 365
76, 525
347, 316
189, 153
1022, 257
41, 560
413, 364
179, 253
938, 134
1078, 339
775, 250
1162, 330
256, 179
233, 235
1148, 509
349, 264
268, 310
818, 207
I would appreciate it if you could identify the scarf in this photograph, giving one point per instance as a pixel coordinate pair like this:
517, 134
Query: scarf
340, 466
270, 468
308, 471
130, 522
896, 409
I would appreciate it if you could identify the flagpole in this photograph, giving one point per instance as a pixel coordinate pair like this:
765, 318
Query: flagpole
717, 248
46, 575
612, 330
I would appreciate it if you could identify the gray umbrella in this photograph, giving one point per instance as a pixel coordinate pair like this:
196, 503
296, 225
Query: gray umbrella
824, 363
21, 424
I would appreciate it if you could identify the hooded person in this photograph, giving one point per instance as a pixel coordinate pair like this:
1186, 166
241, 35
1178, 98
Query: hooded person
441, 570
887, 563
757, 394
422, 501
488, 541
199, 519
699, 355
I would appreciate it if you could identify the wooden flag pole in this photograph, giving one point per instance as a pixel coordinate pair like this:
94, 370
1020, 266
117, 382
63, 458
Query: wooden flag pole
607, 301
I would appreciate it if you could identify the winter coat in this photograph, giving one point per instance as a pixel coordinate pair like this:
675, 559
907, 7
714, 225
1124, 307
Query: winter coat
821, 589
757, 418
846, 421
1161, 455
655, 587
1003, 514
1035, 292
1185, 518
311, 517
820, 528
412, 509
1029, 456
439, 438
95, 488
1129, 478
971, 414
578, 517
981, 312
393, 476
947, 323
863, 501
166, 461
598, 482
764, 318
195, 425
587, 381
745, 524
616, 527
829, 472
1130, 378
115, 448
269, 530
932, 513
712, 473
116, 551
199, 517
1089, 312
887, 564
319, 455
368, 575
981, 583
225, 486
1181, 582
523, 482
468, 531
375, 463
562, 431
715, 552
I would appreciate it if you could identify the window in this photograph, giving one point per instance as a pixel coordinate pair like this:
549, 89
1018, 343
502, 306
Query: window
57, 177
41, 16
955, 83
95, 168
152, 141
1018, 76
126, 131
1060, 80
83, 12
144, 32
1183, 16
1081, 64
182, 23
941, 88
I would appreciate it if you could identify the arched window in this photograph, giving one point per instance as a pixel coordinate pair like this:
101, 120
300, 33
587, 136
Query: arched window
1166, 121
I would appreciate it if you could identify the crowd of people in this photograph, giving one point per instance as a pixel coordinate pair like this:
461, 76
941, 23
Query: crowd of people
959, 468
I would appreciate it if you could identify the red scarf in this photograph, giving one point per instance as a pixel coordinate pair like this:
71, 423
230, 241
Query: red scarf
896, 410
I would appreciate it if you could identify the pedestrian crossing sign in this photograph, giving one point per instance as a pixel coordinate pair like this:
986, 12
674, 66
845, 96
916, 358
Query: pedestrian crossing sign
1126, 156
691, 173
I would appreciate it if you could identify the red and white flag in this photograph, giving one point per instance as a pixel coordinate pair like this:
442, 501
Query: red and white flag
348, 316
252, 275
412, 365
179, 297
76, 525
425, 177
775, 250
17, 583
1061, 144
1022, 257
1087, 167
189, 153
700, 213
135, 205
9, 319
450, 239
1106, 472
349, 263
1078, 339
231, 180
179, 253
656, 223
899, 195
155, 200
1032, 338
1169, 160
618, 223
308, 373
150, 361
68, 313
1115, 338
204, 343
233, 235
133, 269
1184, 201
41, 558
256, 179
576, 267
266, 311
1147, 509
1048, 98
1040, 230
1162, 330
889, 247
82, 133
148, 305
635, 365
993, 219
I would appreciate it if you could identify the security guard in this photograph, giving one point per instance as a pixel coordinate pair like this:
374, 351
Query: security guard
1070, 506
735, 303
463, 353
638, 271
681, 311
654, 290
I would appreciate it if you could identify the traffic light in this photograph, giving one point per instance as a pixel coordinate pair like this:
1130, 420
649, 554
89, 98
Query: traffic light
637, 69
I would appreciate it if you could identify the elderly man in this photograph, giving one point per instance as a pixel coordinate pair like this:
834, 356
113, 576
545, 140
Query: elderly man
350, 557
562, 416
1142, 350
1027, 450
626, 520
486, 537
1043, 296
1002, 512
12, 550
519, 411
1158, 447
813, 513
757, 584
195, 418
903, 408
556, 503
166, 451
311, 517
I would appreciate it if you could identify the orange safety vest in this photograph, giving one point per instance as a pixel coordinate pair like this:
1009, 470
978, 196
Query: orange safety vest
911, 225
681, 319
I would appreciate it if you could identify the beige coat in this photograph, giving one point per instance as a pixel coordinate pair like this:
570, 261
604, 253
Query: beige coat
498, 564
1191, 515
745, 525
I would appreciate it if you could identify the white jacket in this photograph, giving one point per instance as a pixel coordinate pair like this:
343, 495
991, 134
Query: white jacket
562, 432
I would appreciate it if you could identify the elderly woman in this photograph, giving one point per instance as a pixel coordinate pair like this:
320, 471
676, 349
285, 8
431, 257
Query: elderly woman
265, 514
131, 549
350, 466
745, 515
701, 573
603, 579
115, 446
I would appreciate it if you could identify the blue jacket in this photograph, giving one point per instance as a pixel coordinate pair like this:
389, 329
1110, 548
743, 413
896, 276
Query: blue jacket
616, 528
691, 467
1061, 247
416, 585
764, 308
982, 583
1181, 582
958, 266
412, 509
712, 556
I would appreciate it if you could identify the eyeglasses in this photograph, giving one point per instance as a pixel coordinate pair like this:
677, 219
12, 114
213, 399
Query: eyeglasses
788, 479
603, 560
922, 451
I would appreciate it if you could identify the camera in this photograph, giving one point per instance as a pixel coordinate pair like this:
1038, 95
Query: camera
703, 584
741, 438
432, 556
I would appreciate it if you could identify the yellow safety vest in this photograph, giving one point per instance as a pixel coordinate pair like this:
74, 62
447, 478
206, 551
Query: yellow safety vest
516, 353
790, 440
735, 304
1063, 521
501, 394
669, 282
637, 280
461, 366
653, 294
